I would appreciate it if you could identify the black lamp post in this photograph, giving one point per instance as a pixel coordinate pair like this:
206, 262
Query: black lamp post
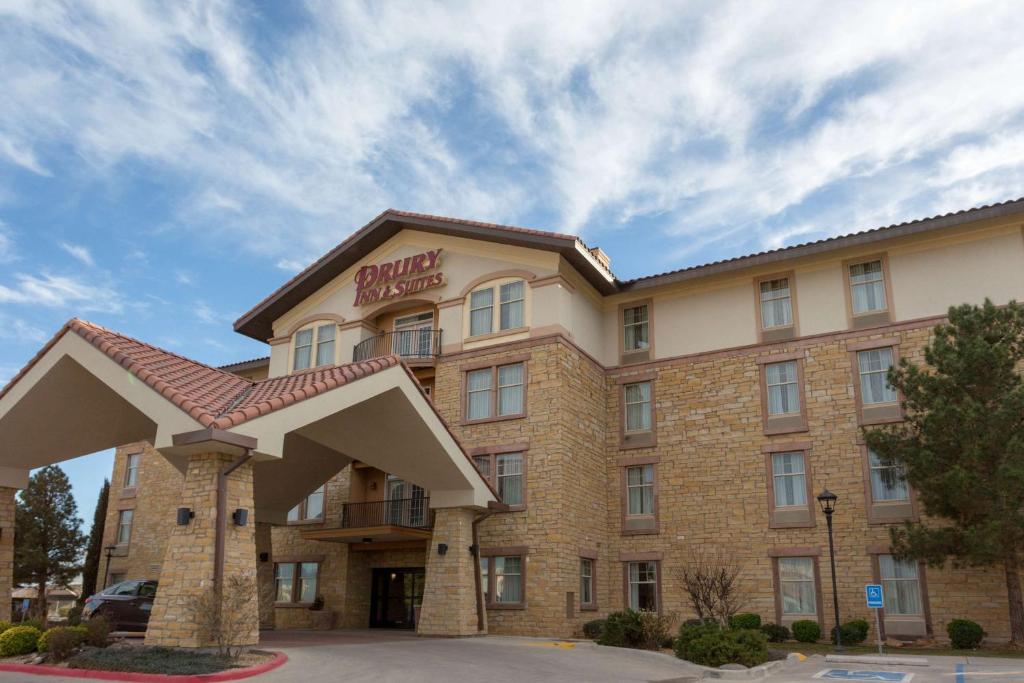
827, 500
106, 570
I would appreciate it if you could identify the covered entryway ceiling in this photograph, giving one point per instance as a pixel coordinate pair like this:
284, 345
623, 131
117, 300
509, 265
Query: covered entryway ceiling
90, 388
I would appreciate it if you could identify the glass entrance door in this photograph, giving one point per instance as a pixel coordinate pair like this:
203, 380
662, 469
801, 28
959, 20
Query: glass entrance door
396, 596
413, 336
405, 503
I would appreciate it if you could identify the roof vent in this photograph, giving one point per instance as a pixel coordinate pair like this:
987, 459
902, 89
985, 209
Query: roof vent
602, 258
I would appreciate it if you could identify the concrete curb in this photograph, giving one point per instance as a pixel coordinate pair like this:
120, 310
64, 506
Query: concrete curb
754, 673
877, 659
99, 675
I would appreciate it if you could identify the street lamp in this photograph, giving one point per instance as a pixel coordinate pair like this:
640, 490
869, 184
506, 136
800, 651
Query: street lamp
827, 501
106, 570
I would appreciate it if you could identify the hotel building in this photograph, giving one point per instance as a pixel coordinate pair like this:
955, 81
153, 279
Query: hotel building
465, 428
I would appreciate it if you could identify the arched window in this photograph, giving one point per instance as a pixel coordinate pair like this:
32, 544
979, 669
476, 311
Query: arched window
313, 345
497, 306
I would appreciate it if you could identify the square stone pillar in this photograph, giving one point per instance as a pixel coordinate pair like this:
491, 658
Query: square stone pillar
450, 594
6, 550
265, 574
189, 564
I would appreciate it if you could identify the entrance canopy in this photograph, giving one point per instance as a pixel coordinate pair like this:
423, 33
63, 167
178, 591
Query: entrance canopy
91, 388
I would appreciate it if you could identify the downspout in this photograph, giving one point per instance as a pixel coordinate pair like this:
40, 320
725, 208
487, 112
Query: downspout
222, 514
476, 570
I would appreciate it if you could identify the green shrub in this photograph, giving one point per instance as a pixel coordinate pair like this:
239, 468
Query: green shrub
745, 620
806, 631
60, 642
75, 615
965, 634
4, 625
709, 645
34, 623
854, 632
622, 629
97, 631
655, 629
776, 633
19, 640
593, 629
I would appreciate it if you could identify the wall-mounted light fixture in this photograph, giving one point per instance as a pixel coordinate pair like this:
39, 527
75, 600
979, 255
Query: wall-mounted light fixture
442, 548
240, 516
264, 557
474, 550
184, 515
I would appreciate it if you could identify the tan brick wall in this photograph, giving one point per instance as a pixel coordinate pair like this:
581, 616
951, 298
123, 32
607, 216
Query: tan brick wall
450, 594
7, 507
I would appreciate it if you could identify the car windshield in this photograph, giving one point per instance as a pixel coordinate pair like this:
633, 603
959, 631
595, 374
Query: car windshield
123, 588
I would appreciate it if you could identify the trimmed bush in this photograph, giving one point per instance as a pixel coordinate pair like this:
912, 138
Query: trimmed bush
622, 629
965, 634
97, 631
709, 645
4, 625
806, 631
60, 642
656, 629
745, 620
593, 629
19, 640
854, 632
776, 633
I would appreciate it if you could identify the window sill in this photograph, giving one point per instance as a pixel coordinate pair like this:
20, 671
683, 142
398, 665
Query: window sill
508, 606
496, 335
640, 532
785, 424
487, 420
588, 608
293, 605
129, 492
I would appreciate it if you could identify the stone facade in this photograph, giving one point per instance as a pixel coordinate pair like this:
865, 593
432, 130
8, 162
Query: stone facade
450, 596
7, 507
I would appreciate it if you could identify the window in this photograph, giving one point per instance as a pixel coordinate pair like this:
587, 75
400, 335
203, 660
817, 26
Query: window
124, 526
483, 402
320, 337
131, 470
640, 490
796, 586
637, 398
296, 581
783, 388
511, 308
586, 581
888, 480
635, 329
312, 507
642, 578
776, 304
505, 472
873, 365
867, 287
789, 480
503, 580
901, 586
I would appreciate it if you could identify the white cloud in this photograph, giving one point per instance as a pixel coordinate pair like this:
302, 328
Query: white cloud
16, 329
79, 252
184, 277
208, 315
725, 120
7, 253
60, 291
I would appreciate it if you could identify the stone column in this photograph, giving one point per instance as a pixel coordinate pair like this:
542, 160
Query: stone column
188, 566
265, 574
6, 550
450, 593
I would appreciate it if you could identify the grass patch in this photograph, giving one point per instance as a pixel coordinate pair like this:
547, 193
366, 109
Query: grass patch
827, 649
153, 660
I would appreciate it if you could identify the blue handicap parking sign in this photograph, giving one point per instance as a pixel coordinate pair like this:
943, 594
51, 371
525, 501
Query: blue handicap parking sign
847, 675
873, 592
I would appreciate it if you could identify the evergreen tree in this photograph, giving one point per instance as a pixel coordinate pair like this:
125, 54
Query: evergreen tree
90, 571
47, 539
962, 446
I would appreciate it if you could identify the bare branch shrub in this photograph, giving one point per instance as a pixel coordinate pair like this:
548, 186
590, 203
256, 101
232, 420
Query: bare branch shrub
222, 616
713, 582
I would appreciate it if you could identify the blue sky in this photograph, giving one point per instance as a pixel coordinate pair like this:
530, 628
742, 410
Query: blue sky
164, 166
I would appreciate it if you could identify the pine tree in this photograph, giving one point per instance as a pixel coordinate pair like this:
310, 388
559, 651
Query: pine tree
962, 446
90, 572
47, 539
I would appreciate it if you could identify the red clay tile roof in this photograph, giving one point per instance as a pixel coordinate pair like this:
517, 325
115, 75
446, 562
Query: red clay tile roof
212, 397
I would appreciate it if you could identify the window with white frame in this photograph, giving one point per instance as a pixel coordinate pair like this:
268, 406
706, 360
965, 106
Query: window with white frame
796, 586
124, 526
888, 480
789, 479
867, 287
505, 472
776, 303
131, 470
640, 490
586, 581
311, 507
873, 365
495, 391
635, 328
511, 301
319, 337
782, 388
481, 312
503, 579
296, 582
637, 398
643, 586
901, 586
512, 297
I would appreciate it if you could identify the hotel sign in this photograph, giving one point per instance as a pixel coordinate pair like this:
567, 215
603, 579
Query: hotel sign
397, 279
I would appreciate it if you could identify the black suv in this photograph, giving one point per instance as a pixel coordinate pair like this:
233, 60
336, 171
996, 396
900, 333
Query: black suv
126, 605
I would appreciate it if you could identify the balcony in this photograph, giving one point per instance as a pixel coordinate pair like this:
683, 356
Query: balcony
417, 347
384, 521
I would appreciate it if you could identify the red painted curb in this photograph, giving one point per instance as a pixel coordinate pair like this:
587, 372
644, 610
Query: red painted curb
94, 674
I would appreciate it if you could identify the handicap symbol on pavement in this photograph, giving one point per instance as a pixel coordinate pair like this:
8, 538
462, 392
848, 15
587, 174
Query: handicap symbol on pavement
847, 675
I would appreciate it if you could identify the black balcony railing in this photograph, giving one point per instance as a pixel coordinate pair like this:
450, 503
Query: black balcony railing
409, 344
408, 512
